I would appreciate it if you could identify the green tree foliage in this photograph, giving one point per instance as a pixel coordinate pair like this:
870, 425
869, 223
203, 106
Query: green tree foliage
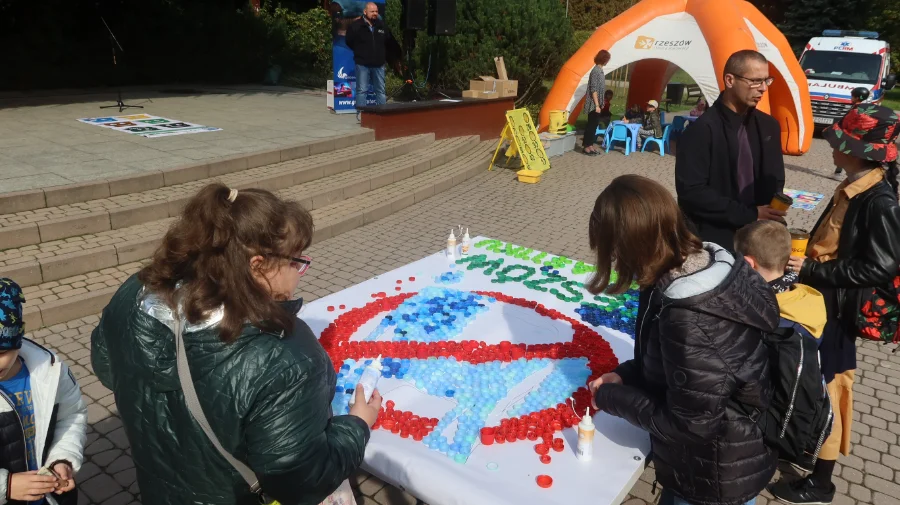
805, 19
63, 43
589, 14
887, 22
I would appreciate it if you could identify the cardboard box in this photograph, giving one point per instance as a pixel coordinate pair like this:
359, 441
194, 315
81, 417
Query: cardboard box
483, 83
485, 95
508, 88
501, 68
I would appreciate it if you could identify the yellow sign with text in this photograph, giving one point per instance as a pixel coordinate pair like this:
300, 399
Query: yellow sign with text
524, 141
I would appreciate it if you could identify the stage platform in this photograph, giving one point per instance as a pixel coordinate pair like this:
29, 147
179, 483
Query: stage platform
445, 118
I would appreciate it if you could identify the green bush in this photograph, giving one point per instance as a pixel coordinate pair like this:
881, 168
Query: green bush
300, 43
534, 38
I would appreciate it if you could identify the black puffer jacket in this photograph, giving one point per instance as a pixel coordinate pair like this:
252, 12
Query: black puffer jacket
698, 351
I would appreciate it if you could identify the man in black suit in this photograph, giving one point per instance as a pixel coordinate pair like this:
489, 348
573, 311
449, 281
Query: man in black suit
729, 163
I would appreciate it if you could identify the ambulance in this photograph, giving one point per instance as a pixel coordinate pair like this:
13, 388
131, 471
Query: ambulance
840, 61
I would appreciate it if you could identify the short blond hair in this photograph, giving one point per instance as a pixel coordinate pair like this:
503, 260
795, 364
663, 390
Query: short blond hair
768, 242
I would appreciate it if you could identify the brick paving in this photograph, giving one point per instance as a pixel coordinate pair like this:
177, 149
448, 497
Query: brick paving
42, 144
550, 216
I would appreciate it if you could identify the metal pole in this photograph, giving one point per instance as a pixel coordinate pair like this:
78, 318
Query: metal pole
567, 8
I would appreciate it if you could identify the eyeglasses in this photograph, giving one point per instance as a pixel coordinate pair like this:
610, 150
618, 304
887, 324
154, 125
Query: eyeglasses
301, 264
755, 83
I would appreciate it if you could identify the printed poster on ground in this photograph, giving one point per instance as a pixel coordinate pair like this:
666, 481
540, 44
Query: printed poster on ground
147, 125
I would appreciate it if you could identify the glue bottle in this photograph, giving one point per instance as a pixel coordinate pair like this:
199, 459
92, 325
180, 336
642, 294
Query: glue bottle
369, 379
466, 243
451, 245
585, 449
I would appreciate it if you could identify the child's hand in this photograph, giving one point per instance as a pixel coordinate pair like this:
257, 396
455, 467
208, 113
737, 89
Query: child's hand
66, 477
29, 486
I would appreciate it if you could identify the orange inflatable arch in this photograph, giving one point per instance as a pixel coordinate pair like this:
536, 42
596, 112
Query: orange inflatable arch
698, 36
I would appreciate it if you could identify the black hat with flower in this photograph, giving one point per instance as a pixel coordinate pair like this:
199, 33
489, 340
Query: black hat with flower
867, 132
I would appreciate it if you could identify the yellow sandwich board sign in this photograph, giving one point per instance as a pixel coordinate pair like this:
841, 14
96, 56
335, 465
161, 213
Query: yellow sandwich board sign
524, 141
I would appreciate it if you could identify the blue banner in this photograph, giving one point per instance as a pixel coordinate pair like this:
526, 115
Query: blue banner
342, 58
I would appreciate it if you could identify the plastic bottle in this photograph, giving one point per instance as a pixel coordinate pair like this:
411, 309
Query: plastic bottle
585, 448
369, 379
451, 245
466, 243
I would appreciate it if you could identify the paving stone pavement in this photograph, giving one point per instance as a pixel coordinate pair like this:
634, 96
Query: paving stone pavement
550, 216
42, 144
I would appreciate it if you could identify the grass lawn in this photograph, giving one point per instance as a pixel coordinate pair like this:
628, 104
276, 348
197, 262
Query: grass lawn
892, 99
618, 104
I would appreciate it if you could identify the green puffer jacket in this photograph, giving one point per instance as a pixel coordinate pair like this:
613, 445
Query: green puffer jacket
266, 397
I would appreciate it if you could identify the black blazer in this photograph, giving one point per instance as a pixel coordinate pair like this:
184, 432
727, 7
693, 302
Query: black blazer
706, 173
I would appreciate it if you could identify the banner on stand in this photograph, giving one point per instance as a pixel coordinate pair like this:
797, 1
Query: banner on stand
344, 86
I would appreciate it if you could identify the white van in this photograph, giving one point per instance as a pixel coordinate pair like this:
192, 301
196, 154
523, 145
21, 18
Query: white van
840, 61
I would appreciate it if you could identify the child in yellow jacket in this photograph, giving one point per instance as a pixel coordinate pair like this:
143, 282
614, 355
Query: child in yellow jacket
766, 246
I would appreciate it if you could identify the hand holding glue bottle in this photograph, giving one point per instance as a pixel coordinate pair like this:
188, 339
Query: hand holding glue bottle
366, 400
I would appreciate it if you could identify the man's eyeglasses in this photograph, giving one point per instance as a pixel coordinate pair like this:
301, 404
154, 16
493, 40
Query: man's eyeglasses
301, 264
755, 83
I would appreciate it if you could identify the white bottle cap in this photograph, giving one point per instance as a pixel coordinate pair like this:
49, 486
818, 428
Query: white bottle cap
587, 423
376, 363
452, 236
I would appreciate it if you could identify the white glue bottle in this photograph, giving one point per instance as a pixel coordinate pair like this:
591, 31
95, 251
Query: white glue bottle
585, 448
466, 243
369, 379
451, 245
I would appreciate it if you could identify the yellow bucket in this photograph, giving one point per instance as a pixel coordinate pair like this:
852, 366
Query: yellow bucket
558, 121
529, 176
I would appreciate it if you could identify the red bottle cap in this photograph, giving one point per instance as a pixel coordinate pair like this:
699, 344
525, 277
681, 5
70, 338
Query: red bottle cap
545, 459
544, 481
532, 436
487, 436
542, 449
331, 308
412, 279
342, 307
558, 445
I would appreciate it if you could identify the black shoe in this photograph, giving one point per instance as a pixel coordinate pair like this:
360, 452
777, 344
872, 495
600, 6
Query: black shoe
802, 492
804, 465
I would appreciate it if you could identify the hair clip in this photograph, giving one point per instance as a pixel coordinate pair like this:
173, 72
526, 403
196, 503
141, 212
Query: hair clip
232, 195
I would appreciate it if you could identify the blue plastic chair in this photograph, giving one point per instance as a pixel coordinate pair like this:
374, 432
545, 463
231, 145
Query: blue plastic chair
601, 134
679, 124
620, 133
663, 143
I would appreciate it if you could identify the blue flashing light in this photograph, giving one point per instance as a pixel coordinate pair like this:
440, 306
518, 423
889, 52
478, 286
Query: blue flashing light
850, 33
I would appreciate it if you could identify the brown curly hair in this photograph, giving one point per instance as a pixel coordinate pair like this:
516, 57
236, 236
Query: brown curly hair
209, 248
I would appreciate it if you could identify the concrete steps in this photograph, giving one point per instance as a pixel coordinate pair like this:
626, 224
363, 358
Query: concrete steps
47, 224
76, 273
